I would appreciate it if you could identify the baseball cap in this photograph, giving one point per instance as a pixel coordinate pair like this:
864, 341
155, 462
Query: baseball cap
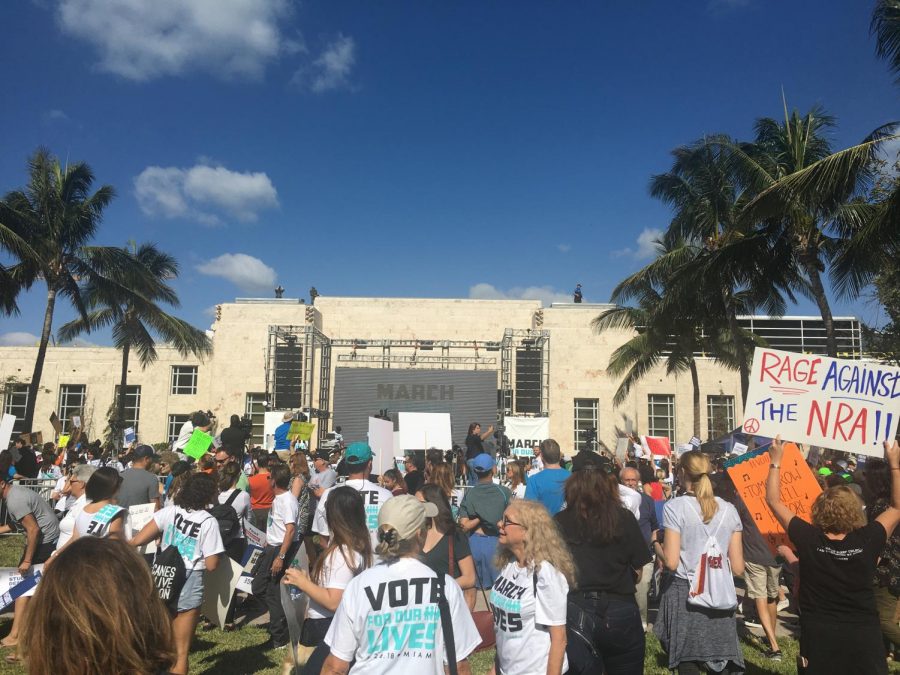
587, 459
824, 471
483, 463
406, 514
358, 453
324, 456
143, 451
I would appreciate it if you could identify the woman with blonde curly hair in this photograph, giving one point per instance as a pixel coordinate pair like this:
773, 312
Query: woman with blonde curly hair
840, 630
528, 598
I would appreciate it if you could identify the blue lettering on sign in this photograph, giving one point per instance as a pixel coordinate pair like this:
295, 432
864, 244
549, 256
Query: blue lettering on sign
861, 380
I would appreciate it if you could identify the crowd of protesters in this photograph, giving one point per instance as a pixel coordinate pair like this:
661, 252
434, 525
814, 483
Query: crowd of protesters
570, 551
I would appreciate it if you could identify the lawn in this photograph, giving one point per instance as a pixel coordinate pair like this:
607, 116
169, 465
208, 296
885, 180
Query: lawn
240, 653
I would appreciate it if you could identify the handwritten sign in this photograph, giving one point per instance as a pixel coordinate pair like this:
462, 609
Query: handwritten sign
198, 444
834, 403
63, 441
138, 516
799, 489
301, 430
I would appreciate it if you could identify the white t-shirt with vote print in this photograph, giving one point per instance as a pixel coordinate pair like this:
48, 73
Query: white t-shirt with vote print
194, 533
520, 623
374, 496
97, 524
455, 500
389, 621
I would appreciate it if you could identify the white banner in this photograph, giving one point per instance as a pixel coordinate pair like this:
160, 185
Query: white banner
381, 440
421, 431
833, 403
525, 432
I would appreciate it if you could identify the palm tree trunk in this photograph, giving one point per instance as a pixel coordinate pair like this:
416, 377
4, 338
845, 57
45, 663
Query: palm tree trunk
818, 291
741, 353
35, 384
119, 423
695, 380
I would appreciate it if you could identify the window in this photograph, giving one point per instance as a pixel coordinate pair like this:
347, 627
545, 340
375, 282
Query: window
719, 416
175, 424
585, 418
184, 379
256, 410
15, 404
661, 416
132, 405
72, 398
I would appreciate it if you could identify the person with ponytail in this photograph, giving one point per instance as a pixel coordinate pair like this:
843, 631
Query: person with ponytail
389, 619
694, 636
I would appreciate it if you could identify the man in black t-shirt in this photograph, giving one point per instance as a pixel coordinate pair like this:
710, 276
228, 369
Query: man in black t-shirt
475, 447
26, 464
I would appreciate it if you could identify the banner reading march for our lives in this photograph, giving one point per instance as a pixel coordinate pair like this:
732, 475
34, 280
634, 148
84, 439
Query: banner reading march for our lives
834, 403
526, 432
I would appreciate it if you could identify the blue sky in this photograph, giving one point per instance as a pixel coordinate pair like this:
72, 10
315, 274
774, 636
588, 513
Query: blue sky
464, 149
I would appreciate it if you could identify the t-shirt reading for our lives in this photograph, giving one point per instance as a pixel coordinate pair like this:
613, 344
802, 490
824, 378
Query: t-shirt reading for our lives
389, 621
374, 496
194, 533
521, 621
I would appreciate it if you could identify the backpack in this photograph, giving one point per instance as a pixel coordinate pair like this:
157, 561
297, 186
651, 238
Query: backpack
711, 582
228, 519
169, 575
305, 510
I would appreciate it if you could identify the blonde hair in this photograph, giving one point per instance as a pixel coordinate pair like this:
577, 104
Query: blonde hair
391, 547
838, 511
442, 476
543, 541
518, 473
695, 466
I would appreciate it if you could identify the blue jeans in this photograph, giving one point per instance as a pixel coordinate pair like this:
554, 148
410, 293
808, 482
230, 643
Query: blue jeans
604, 635
484, 549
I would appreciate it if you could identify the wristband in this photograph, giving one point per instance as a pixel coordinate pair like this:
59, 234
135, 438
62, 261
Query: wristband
773, 465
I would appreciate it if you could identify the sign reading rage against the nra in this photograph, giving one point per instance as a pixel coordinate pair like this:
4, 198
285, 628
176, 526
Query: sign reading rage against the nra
834, 403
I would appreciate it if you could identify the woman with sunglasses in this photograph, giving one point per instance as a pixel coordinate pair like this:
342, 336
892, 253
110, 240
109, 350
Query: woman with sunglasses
528, 598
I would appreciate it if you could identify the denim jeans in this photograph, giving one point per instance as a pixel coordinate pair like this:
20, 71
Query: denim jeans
604, 635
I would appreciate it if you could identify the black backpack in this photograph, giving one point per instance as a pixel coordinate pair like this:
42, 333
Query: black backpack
169, 575
228, 519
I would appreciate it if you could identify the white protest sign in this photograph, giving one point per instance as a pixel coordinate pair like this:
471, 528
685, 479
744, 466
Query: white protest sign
738, 449
76, 421
254, 535
218, 589
525, 432
420, 431
251, 557
139, 515
129, 436
6, 429
834, 403
381, 440
622, 449
695, 442
13, 585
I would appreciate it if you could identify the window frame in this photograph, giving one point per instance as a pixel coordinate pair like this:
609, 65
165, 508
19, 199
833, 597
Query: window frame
667, 401
65, 410
593, 408
176, 385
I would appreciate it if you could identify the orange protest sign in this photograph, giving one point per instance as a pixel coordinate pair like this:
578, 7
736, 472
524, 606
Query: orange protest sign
799, 489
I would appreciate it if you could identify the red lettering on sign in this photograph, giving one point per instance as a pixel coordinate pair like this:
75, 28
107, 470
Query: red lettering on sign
846, 421
800, 370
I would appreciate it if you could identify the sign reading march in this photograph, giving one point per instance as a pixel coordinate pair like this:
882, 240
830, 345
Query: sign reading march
834, 403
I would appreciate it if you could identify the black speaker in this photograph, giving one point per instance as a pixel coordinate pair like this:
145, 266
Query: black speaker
288, 376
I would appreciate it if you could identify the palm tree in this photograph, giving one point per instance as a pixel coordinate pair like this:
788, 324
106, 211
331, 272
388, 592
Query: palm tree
58, 215
725, 267
886, 28
811, 197
132, 309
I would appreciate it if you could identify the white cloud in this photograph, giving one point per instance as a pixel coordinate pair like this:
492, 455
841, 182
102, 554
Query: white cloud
563, 248
55, 116
645, 247
331, 70
142, 40
244, 271
203, 193
545, 294
18, 339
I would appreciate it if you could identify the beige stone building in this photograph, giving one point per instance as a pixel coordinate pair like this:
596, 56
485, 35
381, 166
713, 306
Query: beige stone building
261, 343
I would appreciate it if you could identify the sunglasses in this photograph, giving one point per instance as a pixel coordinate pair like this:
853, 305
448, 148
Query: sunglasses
507, 522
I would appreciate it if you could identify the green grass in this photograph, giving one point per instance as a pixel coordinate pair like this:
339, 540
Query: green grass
240, 653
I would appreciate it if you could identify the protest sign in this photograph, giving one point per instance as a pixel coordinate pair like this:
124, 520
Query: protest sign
251, 558
381, 440
254, 535
6, 430
799, 489
198, 444
129, 436
525, 432
139, 515
218, 589
302, 431
835, 403
55, 423
13, 585
76, 421
738, 449
696, 442
622, 450
63, 441
656, 445
420, 431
